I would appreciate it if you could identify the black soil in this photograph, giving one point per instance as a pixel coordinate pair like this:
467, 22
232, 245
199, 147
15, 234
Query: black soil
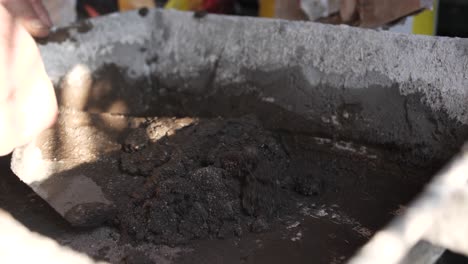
233, 191
223, 178
216, 178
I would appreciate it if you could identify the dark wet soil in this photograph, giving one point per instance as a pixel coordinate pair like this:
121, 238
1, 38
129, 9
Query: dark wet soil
231, 191
223, 178
215, 178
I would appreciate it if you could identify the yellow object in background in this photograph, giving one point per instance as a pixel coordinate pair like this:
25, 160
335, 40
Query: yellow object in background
267, 8
184, 5
424, 23
125, 5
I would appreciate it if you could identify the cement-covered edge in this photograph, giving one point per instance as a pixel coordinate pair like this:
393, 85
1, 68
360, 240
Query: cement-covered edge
344, 57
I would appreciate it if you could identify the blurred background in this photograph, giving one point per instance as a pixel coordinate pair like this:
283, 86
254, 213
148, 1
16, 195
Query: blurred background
442, 18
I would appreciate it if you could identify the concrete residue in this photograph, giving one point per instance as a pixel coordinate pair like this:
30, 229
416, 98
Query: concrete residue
348, 147
83, 47
436, 67
335, 215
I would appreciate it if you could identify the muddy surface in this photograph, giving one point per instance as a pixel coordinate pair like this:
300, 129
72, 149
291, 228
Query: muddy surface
227, 190
222, 178
214, 178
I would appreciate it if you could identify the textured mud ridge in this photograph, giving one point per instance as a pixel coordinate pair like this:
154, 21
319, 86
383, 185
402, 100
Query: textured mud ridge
211, 178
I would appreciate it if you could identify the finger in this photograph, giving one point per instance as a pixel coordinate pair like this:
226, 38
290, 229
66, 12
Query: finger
27, 99
24, 12
35, 104
42, 12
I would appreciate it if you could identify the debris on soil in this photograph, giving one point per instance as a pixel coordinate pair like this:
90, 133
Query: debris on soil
207, 178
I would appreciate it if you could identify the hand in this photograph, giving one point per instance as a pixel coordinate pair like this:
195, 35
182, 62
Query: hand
27, 98
31, 14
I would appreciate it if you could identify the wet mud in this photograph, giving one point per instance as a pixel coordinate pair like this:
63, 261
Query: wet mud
229, 190
228, 178
213, 178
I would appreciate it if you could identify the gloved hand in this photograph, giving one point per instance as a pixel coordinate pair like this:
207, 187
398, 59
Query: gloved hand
27, 98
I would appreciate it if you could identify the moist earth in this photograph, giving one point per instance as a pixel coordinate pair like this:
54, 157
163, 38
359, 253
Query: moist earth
207, 178
176, 180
